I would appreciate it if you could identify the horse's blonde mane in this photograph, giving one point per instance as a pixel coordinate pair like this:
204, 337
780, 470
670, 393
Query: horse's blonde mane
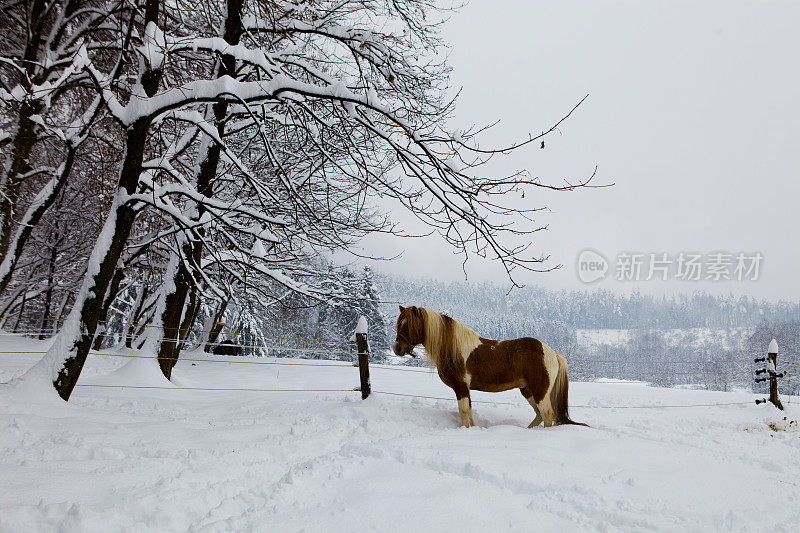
438, 347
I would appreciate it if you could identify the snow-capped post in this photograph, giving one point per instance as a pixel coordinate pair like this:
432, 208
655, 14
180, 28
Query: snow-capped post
772, 369
363, 357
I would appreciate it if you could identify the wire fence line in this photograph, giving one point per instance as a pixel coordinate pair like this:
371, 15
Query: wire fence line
334, 365
331, 365
63, 319
394, 368
184, 331
185, 359
405, 395
233, 389
248, 361
242, 362
273, 348
571, 404
714, 374
575, 363
279, 346
201, 360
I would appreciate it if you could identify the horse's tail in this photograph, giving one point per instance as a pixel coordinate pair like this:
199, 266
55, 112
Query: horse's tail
559, 395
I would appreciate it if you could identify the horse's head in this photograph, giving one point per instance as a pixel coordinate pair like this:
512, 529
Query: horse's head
410, 330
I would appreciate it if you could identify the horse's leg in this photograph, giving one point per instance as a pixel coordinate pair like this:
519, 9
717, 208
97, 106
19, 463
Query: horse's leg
546, 410
545, 406
464, 404
528, 394
538, 419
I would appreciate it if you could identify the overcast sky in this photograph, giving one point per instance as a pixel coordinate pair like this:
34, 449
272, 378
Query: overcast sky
693, 113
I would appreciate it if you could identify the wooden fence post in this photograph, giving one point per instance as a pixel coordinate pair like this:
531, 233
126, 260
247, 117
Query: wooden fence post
772, 368
771, 361
363, 357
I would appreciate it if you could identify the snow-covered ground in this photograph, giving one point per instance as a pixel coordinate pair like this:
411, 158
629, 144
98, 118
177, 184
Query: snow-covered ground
131, 459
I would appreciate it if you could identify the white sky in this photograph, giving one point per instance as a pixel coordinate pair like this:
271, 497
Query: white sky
693, 113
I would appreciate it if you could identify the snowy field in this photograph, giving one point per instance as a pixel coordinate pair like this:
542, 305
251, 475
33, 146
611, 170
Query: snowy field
128, 459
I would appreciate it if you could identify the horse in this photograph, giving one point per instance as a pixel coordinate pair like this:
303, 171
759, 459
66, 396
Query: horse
466, 361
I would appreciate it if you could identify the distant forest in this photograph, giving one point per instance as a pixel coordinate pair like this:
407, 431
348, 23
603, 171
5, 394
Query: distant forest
489, 310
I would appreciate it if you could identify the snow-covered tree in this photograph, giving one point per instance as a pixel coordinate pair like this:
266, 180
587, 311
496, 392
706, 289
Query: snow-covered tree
260, 134
47, 115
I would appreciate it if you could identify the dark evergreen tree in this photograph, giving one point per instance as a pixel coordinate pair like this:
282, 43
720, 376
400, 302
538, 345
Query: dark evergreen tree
370, 307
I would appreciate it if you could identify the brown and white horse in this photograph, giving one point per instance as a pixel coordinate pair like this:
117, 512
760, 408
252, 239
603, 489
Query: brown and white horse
465, 361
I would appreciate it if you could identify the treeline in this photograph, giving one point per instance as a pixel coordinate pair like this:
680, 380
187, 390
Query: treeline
491, 310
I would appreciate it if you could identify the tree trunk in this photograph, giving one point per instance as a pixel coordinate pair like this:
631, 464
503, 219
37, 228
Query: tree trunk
190, 316
171, 318
182, 282
23, 143
25, 287
113, 291
142, 322
62, 309
213, 334
69, 351
133, 316
48, 296
82, 321
21, 310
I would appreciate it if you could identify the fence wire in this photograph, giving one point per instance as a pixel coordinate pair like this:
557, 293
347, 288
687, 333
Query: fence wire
715, 371
242, 362
286, 363
575, 365
419, 396
184, 331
